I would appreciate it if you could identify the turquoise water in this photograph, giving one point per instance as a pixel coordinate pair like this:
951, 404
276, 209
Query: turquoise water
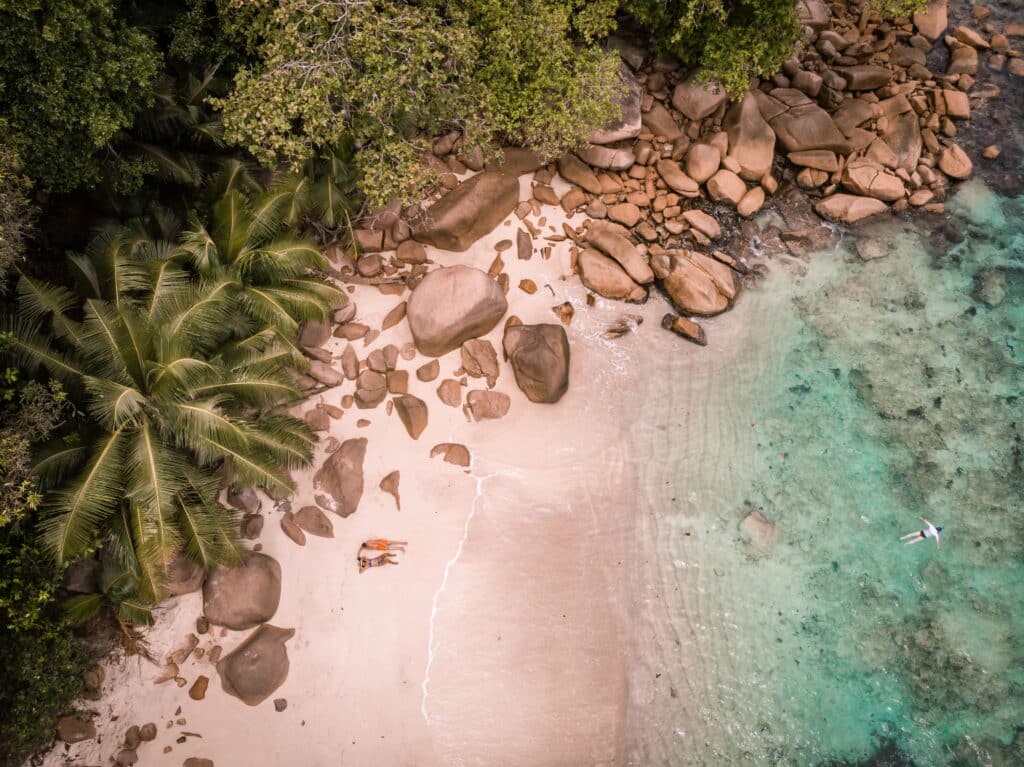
858, 395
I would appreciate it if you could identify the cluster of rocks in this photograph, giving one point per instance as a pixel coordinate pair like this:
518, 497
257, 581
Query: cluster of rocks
856, 119
448, 309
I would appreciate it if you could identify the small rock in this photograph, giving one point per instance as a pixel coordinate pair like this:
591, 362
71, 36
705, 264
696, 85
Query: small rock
484, 404
564, 311
453, 453
413, 413
75, 729
991, 152
280, 704
450, 392
198, 689
480, 360
429, 371
132, 738
126, 757
251, 526
195, 761
314, 522
390, 485
147, 732
528, 286
292, 530
684, 327
955, 163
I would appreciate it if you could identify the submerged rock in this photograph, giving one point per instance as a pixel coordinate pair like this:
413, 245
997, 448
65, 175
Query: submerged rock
759, 530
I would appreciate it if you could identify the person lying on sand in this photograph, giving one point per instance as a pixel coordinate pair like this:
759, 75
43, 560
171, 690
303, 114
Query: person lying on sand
931, 531
365, 563
383, 544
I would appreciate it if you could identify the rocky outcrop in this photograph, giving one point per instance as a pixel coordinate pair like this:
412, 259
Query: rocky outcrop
623, 251
339, 482
606, 278
751, 139
258, 666
452, 305
469, 211
539, 356
244, 596
799, 123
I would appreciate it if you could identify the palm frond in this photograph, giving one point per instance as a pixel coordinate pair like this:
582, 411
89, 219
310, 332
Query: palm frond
209, 534
177, 167
55, 461
288, 439
72, 515
230, 225
26, 347
39, 301
113, 404
234, 176
83, 607
106, 346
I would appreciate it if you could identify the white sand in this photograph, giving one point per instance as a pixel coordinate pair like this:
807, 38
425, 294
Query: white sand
503, 636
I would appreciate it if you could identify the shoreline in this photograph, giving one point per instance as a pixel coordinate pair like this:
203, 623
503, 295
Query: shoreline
390, 670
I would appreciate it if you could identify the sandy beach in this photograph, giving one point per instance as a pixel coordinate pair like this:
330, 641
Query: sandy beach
501, 638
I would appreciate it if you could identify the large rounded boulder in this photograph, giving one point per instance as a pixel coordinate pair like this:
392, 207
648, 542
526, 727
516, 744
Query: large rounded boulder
244, 596
258, 666
469, 211
451, 306
184, 575
539, 355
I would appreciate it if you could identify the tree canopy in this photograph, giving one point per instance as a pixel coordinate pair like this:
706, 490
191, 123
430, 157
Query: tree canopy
72, 74
389, 75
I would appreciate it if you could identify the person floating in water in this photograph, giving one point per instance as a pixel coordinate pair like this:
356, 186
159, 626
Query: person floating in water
931, 531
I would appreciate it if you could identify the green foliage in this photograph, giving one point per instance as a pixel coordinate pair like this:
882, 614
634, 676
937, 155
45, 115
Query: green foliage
897, 9
177, 369
72, 75
43, 671
16, 212
730, 42
32, 412
389, 75
43, 666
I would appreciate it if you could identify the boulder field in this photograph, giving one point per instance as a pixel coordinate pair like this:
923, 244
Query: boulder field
855, 120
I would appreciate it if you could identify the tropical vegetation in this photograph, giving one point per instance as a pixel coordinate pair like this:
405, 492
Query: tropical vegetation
170, 172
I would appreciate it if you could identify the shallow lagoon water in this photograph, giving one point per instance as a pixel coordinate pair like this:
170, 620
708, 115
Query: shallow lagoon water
842, 402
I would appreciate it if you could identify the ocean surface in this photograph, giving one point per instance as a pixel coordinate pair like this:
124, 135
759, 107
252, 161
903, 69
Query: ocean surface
842, 399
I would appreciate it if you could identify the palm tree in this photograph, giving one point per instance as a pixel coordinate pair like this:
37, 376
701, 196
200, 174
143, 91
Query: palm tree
178, 403
270, 275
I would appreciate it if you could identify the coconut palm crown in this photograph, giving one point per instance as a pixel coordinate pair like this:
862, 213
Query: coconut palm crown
179, 399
